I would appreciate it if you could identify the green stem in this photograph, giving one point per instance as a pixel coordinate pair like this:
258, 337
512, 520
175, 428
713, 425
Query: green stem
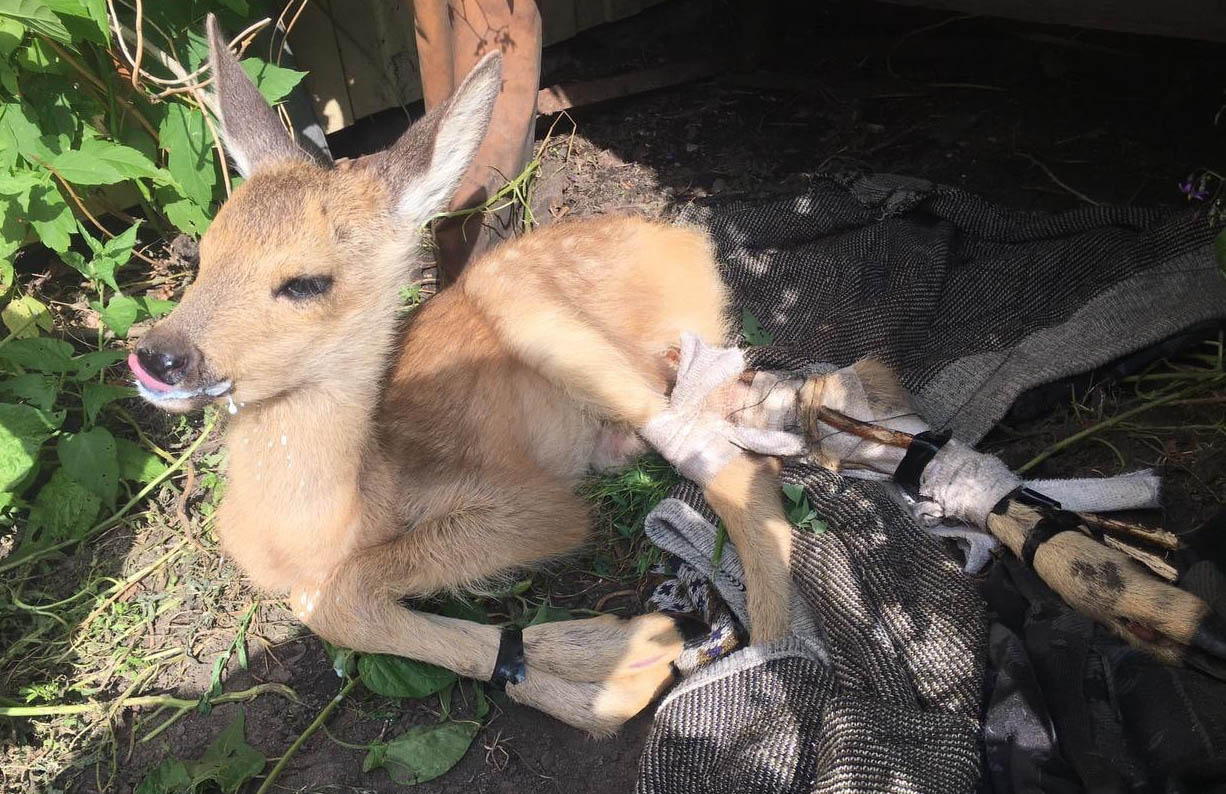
144, 701
310, 731
121, 512
1109, 422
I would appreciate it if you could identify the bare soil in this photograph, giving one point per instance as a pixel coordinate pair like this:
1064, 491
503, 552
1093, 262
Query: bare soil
1032, 117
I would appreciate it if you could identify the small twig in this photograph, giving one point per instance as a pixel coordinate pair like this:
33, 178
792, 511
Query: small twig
310, 730
189, 531
842, 422
1073, 191
606, 599
1154, 563
140, 43
1156, 537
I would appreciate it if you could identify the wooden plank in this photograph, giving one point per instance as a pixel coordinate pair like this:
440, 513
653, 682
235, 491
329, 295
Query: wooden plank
561, 97
374, 41
1189, 19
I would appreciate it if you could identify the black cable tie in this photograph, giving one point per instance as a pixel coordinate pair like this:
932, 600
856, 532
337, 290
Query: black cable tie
920, 452
1025, 496
509, 667
1047, 528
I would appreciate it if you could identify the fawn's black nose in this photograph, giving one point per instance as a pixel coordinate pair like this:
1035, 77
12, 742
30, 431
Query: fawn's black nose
169, 363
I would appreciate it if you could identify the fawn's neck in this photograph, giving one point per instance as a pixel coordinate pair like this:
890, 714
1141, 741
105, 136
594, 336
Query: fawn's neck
302, 470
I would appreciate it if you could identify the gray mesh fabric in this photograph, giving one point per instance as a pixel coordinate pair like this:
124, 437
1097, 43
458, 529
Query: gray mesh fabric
880, 686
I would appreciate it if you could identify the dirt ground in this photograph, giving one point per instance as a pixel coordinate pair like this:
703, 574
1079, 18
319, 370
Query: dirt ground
1031, 117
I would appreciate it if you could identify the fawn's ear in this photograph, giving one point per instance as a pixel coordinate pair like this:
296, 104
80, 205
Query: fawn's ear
250, 129
424, 168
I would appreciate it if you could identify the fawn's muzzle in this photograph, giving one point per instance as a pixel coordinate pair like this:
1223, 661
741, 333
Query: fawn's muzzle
170, 372
163, 361
167, 366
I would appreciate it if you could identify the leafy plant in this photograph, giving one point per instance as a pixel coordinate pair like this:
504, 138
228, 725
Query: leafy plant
229, 762
799, 512
87, 128
424, 752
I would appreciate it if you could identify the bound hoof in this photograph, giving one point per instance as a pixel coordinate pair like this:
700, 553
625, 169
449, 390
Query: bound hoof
599, 708
605, 648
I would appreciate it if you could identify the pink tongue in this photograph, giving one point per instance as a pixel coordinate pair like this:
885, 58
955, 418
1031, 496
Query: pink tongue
144, 377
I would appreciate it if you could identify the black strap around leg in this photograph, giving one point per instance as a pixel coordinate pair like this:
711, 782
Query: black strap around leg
509, 667
920, 452
1046, 529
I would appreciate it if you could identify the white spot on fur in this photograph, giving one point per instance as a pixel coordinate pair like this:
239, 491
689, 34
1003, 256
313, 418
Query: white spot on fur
284, 440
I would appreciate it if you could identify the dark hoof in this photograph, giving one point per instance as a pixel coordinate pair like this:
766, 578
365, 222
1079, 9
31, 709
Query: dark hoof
691, 628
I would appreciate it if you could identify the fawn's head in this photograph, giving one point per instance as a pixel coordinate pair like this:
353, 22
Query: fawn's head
300, 271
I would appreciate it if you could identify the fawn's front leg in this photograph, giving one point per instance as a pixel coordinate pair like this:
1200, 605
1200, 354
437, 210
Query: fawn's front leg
593, 674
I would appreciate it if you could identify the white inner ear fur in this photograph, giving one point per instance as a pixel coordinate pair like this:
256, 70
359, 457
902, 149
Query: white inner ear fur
460, 132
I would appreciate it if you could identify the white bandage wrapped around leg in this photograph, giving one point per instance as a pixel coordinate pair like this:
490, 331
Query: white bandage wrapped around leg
698, 440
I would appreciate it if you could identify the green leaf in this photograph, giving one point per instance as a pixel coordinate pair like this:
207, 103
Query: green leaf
8, 79
20, 183
37, 390
155, 307
25, 315
229, 762
794, 493
90, 458
90, 364
95, 396
546, 613
115, 254
6, 275
753, 332
274, 82
87, 18
63, 510
11, 34
21, 134
169, 777
191, 158
23, 429
51, 218
38, 57
108, 257
40, 354
342, 659
185, 214
423, 752
395, 676
137, 464
101, 162
37, 17
119, 314
464, 609
12, 226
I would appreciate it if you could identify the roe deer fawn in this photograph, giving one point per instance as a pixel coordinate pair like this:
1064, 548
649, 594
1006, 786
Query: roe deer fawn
373, 458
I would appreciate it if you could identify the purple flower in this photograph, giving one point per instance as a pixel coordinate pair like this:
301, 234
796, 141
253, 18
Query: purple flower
1193, 190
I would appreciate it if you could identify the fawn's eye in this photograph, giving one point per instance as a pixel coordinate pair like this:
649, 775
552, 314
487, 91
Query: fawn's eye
304, 287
